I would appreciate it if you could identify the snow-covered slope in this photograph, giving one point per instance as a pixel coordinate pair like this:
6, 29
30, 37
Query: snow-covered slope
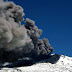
56, 63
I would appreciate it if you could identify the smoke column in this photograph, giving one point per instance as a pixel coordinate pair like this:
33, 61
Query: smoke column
16, 40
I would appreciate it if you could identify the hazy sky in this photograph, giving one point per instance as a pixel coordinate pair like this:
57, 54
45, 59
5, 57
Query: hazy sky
54, 17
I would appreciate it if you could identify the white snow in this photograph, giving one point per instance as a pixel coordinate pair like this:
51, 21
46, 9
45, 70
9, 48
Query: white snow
64, 64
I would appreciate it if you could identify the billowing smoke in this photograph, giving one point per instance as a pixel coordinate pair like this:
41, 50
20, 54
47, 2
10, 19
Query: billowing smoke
16, 40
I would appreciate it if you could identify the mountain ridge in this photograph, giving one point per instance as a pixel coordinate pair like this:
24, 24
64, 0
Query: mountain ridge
56, 63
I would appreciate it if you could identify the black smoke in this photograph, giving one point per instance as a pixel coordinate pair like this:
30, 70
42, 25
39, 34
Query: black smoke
20, 41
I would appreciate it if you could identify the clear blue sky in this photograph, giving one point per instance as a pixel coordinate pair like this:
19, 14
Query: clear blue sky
54, 17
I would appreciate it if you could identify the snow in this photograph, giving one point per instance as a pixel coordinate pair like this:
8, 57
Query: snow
64, 64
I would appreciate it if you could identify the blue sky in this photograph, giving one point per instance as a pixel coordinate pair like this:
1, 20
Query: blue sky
54, 17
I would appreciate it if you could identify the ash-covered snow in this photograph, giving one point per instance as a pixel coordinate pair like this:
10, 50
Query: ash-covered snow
57, 63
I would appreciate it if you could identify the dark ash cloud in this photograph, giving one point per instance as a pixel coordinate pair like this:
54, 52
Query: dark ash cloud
16, 40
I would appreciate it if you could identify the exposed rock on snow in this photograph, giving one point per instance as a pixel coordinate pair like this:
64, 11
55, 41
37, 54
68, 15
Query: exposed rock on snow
56, 63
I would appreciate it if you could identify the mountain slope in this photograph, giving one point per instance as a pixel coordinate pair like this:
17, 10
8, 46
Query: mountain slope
56, 63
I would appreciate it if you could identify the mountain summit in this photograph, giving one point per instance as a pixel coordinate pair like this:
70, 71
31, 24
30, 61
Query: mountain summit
56, 63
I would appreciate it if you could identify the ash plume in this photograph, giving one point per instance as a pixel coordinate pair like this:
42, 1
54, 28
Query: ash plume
16, 40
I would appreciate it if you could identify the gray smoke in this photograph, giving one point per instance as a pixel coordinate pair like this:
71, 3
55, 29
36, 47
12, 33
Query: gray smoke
18, 40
